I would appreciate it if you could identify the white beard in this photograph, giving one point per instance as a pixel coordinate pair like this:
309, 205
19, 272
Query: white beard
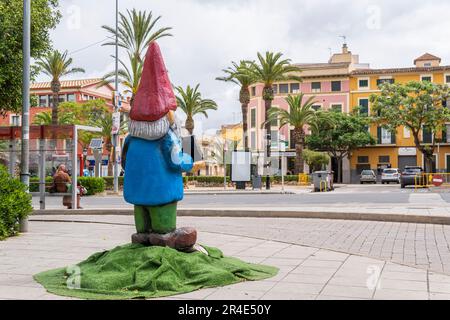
149, 130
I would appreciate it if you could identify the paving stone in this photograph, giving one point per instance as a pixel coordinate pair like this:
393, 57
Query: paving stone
297, 288
393, 294
347, 291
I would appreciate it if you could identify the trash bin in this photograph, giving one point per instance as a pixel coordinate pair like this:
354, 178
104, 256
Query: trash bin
256, 182
323, 181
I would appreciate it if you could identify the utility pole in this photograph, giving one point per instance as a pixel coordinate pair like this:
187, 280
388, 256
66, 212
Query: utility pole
25, 155
115, 137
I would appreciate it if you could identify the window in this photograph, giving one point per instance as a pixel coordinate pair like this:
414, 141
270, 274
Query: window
363, 83
274, 123
381, 81
253, 140
384, 136
274, 138
253, 92
316, 86
445, 134
363, 159
15, 120
384, 159
62, 98
284, 88
253, 118
335, 86
406, 133
316, 107
71, 97
275, 89
336, 107
427, 64
447, 79
427, 135
50, 100
43, 101
364, 105
295, 87
426, 78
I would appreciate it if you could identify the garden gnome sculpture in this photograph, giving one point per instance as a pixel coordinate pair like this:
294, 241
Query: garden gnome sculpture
153, 160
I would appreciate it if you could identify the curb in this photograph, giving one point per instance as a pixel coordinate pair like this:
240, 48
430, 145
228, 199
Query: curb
444, 220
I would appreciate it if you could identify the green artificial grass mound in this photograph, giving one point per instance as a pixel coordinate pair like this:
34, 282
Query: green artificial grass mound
135, 271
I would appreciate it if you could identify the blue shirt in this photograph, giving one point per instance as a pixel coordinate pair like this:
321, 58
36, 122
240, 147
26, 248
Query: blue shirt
153, 170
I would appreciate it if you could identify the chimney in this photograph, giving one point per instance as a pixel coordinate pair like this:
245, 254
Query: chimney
344, 48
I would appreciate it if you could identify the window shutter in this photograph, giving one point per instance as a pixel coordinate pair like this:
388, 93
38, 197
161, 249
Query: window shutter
393, 138
379, 135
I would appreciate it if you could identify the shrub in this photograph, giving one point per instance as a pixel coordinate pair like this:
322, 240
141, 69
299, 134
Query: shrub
34, 183
109, 182
92, 184
316, 160
15, 204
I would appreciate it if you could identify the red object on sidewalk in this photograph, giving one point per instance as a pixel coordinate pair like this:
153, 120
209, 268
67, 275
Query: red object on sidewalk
154, 97
438, 180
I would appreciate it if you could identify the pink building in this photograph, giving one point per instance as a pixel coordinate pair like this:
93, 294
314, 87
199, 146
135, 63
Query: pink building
327, 82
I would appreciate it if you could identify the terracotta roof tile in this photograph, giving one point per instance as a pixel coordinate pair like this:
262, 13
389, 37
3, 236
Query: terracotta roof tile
427, 56
66, 83
399, 70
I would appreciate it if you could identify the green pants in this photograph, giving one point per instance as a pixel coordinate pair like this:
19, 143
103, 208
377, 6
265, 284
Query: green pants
161, 219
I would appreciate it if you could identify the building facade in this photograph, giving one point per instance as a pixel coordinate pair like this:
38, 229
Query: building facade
73, 91
396, 150
343, 84
328, 82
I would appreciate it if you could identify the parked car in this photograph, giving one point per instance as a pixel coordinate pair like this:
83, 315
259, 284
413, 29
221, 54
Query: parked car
368, 176
410, 176
390, 175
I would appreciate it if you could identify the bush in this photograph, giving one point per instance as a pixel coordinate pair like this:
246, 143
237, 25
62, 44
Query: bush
109, 182
93, 185
15, 204
34, 184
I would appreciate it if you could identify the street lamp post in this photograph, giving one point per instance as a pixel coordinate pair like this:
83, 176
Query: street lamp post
25, 155
115, 137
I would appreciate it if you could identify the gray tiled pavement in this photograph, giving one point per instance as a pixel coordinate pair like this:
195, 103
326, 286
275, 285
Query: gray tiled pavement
305, 272
424, 246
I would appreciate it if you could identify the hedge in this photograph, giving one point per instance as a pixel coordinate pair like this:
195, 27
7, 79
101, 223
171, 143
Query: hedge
92, 184
15, 204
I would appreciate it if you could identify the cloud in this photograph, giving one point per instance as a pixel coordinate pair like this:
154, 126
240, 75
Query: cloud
209, 34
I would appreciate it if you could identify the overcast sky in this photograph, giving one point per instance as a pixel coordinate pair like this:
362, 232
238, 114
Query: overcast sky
208, 34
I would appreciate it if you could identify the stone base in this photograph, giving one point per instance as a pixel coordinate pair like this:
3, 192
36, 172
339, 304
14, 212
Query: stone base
182, 239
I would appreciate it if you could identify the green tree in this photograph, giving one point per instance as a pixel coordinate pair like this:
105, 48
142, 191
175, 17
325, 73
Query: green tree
57, 65
339, 134
315, 160
299, 115
44, 17
129, 77
135, 32
45, 118
270, 69
240, 75
192, 103
418, 106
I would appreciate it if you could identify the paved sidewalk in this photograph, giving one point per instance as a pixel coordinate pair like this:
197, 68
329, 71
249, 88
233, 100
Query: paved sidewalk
305, 272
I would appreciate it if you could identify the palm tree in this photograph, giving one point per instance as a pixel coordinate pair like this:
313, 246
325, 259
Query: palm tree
191, 102
105, 122
57, 65
45, 118
129, 77
240, 75
299, 115
136, 31
271, 69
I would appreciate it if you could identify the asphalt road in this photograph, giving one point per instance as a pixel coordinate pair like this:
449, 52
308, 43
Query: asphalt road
378, 195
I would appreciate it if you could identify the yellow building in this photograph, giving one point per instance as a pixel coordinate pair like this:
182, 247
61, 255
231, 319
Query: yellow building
396, 150
233, 132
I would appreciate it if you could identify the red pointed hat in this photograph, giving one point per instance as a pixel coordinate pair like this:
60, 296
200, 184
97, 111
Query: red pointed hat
154, 97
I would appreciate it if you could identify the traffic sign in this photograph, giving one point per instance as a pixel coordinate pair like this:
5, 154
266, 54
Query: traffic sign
438, 180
